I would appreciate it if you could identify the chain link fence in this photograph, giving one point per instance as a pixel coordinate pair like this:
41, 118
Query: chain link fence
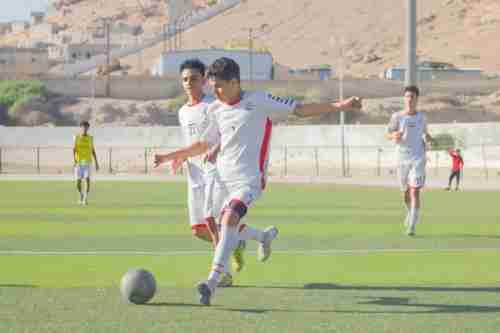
314, 161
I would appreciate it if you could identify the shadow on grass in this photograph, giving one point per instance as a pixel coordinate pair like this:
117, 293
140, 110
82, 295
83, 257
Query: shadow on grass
399, 305
166, 304
396, 303
18, 286
333, 286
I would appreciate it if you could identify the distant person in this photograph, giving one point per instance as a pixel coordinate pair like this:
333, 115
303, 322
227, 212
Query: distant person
83, 153
456, 168
408, 129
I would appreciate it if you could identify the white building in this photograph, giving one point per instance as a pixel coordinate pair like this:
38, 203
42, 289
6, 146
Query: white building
254, 66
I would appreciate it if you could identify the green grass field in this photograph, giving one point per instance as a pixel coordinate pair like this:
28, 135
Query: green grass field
341, 263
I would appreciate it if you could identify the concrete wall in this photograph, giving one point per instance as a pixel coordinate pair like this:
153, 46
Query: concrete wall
147, 88
295, 150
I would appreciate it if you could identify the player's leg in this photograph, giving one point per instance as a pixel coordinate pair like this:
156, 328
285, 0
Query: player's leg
78, 177
228, 241
416, 182
214, 199
453, 175
458, 181
403, 170
216, 196
196, 198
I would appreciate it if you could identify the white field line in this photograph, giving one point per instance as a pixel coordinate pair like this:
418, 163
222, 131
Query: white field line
193, 253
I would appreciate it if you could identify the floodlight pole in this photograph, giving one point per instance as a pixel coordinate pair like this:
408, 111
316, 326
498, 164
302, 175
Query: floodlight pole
342, 113
411, 51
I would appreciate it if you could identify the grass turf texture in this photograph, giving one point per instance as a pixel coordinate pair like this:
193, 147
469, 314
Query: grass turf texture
341, 262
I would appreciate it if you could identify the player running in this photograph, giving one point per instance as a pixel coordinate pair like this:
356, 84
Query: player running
206, 194
408, 129
240, 122
83, 152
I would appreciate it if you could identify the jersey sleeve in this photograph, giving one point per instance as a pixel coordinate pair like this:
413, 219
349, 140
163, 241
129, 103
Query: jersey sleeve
276, 108
393, 125
212, 132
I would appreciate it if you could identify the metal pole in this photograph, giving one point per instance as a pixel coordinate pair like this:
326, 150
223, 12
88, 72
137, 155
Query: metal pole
342, 113
164, 39
411, 51
146, 161
285, 150
379, 159
110, 160
250, 55
37, 156
107, 26
316, 160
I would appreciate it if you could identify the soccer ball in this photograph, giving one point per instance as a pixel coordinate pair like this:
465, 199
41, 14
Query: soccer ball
138, 286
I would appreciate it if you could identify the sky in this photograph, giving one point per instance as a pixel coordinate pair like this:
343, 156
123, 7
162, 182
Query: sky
20, 9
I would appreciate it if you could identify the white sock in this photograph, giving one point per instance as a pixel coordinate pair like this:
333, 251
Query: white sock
247, 232
227, 243
414, 215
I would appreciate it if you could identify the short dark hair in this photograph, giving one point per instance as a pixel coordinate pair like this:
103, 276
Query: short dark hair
84, 123
224, 69
195, 64
412, 89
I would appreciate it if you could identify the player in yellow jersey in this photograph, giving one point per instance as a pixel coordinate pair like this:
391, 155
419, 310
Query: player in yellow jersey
83, 152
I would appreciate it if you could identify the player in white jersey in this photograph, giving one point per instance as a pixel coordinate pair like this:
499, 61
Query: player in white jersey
241, 124
408, 129
206, 193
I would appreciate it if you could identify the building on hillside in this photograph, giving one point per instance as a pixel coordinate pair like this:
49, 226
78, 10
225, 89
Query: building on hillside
255, 66
5, 28
37, 18
313, 73
19, 26
46, 29
23, 61
429, 70
77, 52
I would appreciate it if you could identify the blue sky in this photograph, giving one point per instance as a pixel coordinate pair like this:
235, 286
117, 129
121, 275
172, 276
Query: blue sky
20, 9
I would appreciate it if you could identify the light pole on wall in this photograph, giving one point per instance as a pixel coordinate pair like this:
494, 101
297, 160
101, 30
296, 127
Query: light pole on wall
411, 47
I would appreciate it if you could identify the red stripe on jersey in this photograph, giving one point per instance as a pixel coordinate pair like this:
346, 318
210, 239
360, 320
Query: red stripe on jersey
264, 150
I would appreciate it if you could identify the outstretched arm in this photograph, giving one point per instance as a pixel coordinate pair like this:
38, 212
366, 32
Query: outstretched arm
316, 109
195, 149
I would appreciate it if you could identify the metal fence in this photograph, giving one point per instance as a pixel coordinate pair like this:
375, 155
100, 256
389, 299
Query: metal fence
315, 161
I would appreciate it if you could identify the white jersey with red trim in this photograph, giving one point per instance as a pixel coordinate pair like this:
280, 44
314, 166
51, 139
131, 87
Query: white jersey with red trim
243, 131
194, 122
413, 128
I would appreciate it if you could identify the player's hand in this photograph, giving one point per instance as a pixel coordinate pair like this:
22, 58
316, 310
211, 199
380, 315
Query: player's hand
97, 167
211, 157
396, 136
176, 165
352, 103
159, 160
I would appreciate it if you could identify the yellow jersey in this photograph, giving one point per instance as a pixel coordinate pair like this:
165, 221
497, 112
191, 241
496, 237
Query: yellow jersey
84, 146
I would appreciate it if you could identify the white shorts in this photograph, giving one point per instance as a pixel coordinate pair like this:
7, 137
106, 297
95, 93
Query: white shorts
82, 171
205, 201
243, 193
411, 173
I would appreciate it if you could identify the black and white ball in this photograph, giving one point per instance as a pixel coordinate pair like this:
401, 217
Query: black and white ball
138, 286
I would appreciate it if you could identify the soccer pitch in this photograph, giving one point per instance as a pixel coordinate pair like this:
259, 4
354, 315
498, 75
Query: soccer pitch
340, 264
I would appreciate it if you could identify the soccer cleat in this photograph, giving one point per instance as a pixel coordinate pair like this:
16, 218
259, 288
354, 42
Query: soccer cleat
238, 256
410, 232
226, 281
264, 249
205, 293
